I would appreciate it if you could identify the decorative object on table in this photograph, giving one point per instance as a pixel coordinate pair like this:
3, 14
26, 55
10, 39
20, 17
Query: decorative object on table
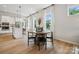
39, 28
39, 21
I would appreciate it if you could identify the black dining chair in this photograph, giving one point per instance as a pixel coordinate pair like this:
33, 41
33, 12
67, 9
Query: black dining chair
31, 37
50, 36
41, 40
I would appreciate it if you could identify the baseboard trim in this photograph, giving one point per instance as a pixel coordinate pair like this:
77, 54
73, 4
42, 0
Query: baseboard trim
67, 41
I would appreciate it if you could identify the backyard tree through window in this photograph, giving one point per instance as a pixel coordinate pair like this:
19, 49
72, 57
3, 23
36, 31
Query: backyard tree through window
48, 20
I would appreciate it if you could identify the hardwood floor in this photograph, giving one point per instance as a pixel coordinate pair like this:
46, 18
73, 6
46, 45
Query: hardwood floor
19, 46
5, 37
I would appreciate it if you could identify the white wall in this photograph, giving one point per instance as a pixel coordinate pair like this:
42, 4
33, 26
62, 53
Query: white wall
66, 27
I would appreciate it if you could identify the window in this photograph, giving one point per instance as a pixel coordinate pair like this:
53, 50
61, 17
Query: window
30, 23
48, 20
34, 23
73, 10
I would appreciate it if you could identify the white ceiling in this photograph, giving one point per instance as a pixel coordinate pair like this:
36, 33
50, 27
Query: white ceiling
25, 10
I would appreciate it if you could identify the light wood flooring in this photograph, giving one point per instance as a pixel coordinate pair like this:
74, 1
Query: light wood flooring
19, 46
5, 37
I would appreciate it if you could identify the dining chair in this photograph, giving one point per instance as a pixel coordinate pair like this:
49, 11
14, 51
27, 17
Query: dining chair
31, 36
50, 37
41, 40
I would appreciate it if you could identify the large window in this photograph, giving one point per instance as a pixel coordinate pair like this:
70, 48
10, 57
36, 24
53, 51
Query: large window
48, 21
48, 18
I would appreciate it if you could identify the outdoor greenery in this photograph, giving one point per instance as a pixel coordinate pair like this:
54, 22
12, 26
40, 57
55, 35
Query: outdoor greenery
48, 22
73, 11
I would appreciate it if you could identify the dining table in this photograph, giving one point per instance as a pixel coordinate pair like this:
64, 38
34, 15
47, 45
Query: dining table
40, 37
39, 33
